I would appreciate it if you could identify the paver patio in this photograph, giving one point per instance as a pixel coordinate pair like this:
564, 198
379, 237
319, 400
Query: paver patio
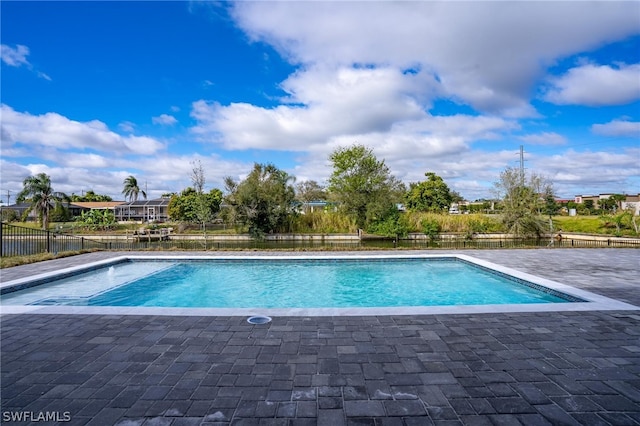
517, 368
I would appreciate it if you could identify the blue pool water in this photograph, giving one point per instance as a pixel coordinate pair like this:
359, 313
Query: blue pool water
285, 284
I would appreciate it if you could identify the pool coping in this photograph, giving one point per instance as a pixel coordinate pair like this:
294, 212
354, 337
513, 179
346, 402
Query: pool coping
593, 302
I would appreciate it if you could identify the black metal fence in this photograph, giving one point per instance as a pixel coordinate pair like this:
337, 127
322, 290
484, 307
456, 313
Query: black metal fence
23, 241
479, 243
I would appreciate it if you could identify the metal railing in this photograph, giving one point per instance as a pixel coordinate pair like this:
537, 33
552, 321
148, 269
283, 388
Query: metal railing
23, 241
217, 244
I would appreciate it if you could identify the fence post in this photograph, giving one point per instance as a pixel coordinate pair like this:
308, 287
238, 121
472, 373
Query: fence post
81, 243
48, 241
1, 239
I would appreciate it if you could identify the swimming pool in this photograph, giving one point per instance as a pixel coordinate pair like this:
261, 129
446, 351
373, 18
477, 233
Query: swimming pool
291, 285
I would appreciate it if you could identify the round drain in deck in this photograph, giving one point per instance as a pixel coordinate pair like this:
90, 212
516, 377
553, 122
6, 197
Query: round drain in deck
258, 319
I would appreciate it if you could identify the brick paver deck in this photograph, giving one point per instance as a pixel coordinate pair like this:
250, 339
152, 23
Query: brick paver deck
481, 369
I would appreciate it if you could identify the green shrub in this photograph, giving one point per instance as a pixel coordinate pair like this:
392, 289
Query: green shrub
430, 227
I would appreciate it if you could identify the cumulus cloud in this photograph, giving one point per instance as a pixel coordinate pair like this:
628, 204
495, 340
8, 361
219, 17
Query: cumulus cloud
370, 73
87, 155
164, 120
618, 128
162, 173
54, 131
596, 85
488, 55
544, 138
320, 105
574, 172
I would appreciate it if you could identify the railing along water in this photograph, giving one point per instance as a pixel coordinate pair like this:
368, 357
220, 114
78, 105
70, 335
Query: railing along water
336, 244
23, 241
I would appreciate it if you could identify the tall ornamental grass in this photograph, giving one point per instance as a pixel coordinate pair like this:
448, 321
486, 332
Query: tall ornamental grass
324, 223
460, 224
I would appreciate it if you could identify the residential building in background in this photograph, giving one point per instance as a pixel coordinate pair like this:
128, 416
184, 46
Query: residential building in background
631, 202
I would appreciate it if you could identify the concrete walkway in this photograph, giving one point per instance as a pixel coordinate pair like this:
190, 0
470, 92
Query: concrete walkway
480, 369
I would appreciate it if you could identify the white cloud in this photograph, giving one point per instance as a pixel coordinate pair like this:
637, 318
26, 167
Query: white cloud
573, 172
164, 120
161, 173
127, 126
14, 57
54, 131
596, 85
17, 57
368, 72
618, 128
321, 104
486, 54
544, 138
90, 161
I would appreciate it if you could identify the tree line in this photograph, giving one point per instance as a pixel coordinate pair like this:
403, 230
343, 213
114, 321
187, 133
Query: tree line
360, 187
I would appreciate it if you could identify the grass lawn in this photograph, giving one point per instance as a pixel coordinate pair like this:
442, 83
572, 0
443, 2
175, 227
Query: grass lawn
590, 225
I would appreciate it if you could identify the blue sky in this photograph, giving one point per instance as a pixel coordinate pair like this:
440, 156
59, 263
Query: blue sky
93, 92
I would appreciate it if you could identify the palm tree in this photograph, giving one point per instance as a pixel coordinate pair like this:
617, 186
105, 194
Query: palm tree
41, 196
131, 189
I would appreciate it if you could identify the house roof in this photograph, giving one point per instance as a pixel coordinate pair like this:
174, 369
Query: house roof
97, 204
143, 203
17, 206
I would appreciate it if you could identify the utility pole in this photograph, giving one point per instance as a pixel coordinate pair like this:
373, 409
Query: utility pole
521, 164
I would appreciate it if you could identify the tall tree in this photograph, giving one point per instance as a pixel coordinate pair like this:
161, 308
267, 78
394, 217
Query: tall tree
431, 195
37, 189
188, 206
197, 176
362, 185
551, 207
132, 190
202, 208
264, 200
522, 201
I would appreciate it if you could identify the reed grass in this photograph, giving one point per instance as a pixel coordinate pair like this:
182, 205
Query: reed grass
324, 223
462, 223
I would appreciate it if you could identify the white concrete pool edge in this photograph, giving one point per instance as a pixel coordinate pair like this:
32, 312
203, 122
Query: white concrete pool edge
594, 302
